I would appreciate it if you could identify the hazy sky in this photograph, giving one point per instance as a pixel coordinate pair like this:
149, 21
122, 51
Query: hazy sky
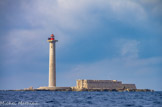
98, 39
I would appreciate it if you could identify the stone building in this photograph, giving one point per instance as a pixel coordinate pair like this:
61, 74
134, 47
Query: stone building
129, 86
103, 84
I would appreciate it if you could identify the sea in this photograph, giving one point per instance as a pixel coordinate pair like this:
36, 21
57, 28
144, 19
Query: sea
79, 99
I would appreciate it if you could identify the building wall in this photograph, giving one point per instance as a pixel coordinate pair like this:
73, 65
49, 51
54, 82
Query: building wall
82, 84
99, 84
129, 86
103, 84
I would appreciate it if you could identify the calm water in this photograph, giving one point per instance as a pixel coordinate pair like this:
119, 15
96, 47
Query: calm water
80, 99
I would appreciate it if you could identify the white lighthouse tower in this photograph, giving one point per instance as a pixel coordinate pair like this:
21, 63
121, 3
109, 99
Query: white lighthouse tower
52, 67
52, 61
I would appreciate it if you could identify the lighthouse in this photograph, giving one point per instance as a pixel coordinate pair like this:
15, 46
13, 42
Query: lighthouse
52, 61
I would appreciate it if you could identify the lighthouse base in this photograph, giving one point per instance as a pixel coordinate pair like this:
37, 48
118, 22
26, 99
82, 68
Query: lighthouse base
54, 88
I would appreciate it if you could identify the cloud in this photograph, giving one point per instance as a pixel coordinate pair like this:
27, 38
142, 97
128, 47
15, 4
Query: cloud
61, 16
74, 15
129, 48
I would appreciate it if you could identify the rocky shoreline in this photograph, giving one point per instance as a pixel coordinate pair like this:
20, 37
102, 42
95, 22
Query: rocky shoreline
89, 90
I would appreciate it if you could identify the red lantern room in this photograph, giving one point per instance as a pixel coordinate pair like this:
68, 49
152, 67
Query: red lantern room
52, 37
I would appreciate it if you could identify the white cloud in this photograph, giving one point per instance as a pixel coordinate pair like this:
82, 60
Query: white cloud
74, 15
129, 48
60, 16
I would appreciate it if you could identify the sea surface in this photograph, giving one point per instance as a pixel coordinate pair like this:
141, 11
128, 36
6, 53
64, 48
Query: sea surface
80, 99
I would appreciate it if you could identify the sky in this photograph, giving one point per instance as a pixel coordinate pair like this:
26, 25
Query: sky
97, 39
